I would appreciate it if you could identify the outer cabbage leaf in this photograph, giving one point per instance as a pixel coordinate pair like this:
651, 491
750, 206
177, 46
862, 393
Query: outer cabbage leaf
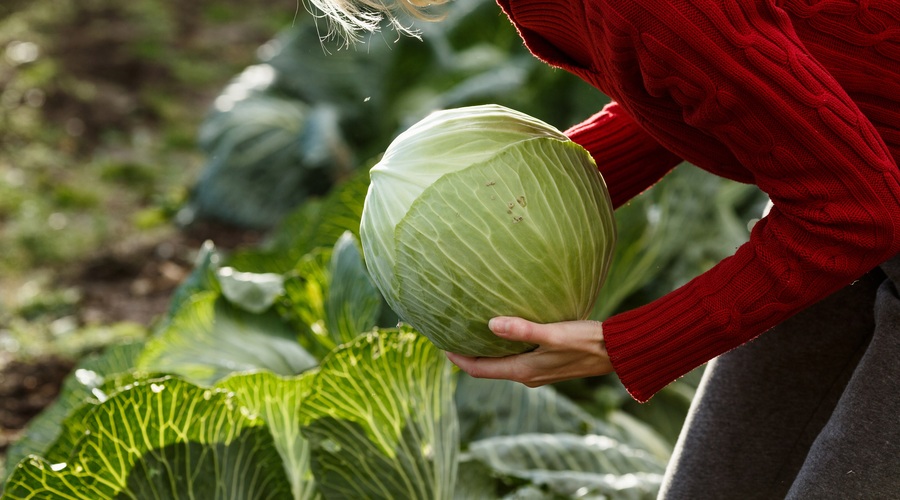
253, 292
277, 401
209, 339
561, 451
162, 438
570, 466
354, 303
492, 408
380, 419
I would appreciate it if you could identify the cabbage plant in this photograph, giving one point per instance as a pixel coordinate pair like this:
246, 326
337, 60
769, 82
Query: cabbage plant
483, 211
217, 387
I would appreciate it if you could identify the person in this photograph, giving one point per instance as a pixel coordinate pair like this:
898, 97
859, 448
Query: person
801, 98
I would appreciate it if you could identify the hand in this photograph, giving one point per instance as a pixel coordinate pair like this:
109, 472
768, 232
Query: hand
567, 350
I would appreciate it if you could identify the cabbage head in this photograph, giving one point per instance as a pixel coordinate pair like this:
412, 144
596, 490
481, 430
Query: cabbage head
484, 211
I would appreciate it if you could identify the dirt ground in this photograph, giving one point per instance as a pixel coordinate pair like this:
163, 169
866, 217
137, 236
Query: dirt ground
25, 389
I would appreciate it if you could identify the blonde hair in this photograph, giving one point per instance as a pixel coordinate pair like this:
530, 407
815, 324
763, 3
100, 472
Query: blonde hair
347, 18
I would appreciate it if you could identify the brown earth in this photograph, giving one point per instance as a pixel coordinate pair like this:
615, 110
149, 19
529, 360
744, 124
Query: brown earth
25, 389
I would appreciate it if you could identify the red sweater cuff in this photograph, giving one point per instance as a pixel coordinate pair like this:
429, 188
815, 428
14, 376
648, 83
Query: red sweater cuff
647, 363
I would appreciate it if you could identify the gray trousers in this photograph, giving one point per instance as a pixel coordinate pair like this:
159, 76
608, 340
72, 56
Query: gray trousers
810, 409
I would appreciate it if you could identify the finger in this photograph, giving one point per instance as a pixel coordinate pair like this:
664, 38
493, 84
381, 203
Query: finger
518, 329
551, 334
493, 368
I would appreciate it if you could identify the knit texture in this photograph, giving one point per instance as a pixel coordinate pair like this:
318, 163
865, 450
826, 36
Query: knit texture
801, 98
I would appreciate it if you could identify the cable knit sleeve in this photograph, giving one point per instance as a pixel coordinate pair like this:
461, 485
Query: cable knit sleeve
734, 75
629, 160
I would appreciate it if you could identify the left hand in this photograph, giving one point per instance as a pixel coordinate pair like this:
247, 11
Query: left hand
566, 350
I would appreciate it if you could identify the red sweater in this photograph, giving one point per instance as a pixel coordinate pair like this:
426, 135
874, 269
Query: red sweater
800, 97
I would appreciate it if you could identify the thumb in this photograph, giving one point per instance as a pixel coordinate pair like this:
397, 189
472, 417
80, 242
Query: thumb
549, 334
518, 329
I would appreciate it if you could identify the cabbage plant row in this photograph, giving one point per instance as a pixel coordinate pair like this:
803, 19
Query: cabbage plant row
279, 372
283, 378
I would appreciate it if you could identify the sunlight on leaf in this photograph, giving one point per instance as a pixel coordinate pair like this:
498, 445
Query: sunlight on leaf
277, 401
161, 439
82, 385
380, 419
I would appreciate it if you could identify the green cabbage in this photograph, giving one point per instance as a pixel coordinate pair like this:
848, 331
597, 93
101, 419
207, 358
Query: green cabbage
483, 211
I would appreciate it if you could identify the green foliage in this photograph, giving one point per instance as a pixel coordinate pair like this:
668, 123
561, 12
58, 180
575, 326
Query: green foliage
277, 400
313, 115
380, 419
300, 380
315, 224
673, 232
186, 441
209, 338
495, 408
569, 466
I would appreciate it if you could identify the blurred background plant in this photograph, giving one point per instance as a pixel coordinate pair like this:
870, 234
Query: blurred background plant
130, 133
